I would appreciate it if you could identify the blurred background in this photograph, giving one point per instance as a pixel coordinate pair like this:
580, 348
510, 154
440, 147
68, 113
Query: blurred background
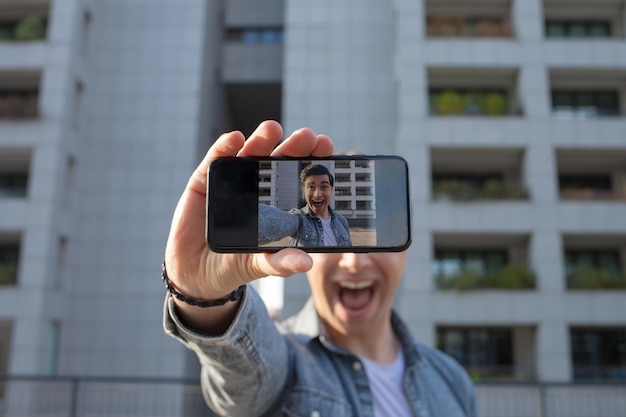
511, 114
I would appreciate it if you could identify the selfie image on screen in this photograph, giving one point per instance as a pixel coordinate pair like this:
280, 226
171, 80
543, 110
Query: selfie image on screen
317, 203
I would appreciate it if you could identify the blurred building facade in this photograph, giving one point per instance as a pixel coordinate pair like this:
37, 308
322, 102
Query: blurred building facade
512, 115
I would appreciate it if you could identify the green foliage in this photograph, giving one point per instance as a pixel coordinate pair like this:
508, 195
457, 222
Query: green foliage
30, 28
595, 279
511, 277
514, 277
494, 104
460, 190
450, 102
8, 273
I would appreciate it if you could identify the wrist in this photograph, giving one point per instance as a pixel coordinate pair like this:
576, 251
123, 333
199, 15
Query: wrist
202, 303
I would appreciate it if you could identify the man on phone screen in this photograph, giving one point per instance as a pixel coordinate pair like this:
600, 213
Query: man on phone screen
316, 224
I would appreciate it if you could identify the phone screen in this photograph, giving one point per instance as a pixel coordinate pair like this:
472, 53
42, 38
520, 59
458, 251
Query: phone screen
338, 204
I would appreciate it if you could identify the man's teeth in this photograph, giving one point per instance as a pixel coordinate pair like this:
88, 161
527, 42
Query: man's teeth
355, 285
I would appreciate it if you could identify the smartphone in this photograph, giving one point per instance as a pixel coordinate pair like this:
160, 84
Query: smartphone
343, 203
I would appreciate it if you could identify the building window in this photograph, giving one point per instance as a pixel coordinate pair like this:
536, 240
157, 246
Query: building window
594, 269
54, 340
364, 191
469, 102
9, 258
578, 29
255, 35
343, 205
586, 186
343, 191
13, 185
5, 344
475, 27
363, 177
486, 353
343, 178
585, 103
19, 104
364, 205
451, 263
598, 354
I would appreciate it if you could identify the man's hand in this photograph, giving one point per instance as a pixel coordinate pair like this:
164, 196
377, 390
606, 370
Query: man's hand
191, 266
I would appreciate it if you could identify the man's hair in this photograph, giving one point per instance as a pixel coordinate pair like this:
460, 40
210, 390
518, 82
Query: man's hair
315, 169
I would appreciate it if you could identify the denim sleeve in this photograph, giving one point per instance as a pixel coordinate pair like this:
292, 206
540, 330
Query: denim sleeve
275, 224
245, 369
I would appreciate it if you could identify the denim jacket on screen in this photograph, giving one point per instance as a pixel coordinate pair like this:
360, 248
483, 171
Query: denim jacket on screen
304, 228
257, 368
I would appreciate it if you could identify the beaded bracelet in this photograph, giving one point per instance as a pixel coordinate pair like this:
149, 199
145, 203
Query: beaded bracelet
233, 296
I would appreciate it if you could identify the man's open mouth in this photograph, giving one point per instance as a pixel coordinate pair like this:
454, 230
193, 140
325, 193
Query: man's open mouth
318, 204
355, 296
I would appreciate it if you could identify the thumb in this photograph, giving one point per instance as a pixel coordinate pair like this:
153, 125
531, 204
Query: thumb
284, 263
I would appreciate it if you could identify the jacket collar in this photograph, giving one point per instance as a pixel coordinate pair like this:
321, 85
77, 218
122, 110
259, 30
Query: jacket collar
307, 212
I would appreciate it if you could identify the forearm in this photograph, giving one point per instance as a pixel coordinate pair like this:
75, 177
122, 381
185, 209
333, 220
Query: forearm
275, 224
245, 368
211, 320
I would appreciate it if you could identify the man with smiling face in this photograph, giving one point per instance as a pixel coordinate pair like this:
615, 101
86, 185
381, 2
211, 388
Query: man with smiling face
316, 224
347, 353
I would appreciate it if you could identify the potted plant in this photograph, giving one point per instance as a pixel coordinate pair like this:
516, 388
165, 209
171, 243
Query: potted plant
30, 28
450, 102
494, 104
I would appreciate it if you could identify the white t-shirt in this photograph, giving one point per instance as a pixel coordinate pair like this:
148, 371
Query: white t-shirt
387, 388
329, 235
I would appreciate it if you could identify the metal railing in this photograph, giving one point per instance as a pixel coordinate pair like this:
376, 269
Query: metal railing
552, 400
132, 397
27, 396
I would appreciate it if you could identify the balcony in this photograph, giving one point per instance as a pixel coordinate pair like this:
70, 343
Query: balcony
478, 262
14, 169
9, 258
480, 19
22, 21
491, 353
476, 174
592, 175
584, 19
595, 262
473, 92
19, 95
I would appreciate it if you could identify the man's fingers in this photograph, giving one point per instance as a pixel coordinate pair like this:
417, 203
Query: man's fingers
324, 146
263, 139
301, 142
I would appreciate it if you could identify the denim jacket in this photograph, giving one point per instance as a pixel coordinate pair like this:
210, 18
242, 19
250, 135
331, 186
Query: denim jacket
258, 368
304, 228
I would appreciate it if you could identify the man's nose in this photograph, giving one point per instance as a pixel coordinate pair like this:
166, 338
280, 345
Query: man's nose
354, 262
